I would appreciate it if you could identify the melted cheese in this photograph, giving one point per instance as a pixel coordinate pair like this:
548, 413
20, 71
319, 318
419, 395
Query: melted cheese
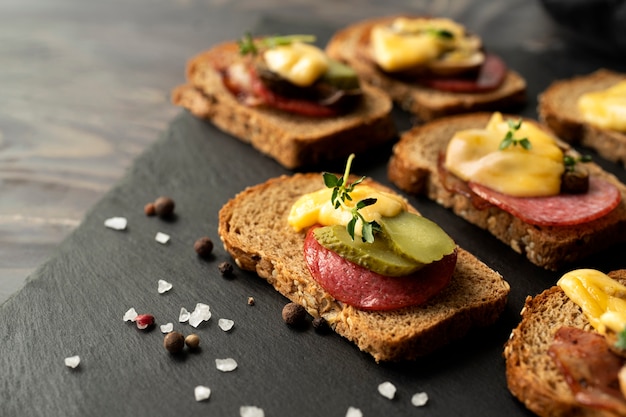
602, 299
605, 108
316, 208
409, 43
300, 63
474, 155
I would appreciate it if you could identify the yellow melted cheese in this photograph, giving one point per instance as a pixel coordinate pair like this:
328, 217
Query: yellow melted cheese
605, 108
474, 155
316, 208
602, 299
409, 43
300, 63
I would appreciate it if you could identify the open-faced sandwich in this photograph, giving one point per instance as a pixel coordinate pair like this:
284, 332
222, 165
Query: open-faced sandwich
431, 67
354, 253
287, 98
589, 110
512, 177
566, 357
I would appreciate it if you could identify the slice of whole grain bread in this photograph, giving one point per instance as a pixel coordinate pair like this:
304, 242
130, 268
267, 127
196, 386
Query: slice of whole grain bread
292, 140
532, 376
558, 109
351, 45
254, 230
415, 168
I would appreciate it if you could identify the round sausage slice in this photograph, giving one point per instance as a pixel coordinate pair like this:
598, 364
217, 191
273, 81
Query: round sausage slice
361, 288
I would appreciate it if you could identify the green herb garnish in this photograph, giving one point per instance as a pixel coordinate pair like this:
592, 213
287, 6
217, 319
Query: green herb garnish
621, 340
341, 194
509, 139
571, 161
249, 45
440, 33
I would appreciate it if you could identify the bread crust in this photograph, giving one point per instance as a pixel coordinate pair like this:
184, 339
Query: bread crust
414, 168
351, 45
532, 376
254, 230
558, 109
292, 140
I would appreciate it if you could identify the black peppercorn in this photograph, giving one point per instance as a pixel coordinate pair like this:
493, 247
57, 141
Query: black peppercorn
321, 325
294, 314
149, 209
174, 342
225, 268
203, 247
164, 207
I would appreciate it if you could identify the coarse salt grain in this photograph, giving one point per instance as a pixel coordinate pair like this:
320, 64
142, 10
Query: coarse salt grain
387, 390
201, 393
419, 399
354, 412
164, 286
251, 411
130, 315
116, 223
201, 313
225, 324
166, 328
184, 315
162, 238
226, 365
72, 361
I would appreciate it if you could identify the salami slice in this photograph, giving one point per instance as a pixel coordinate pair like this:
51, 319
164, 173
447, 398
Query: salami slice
490, 76
559, 210
367, 290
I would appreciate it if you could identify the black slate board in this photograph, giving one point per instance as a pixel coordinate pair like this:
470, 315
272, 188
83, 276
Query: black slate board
75, 302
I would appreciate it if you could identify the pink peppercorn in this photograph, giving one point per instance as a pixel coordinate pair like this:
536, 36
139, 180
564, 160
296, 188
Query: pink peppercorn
143, 321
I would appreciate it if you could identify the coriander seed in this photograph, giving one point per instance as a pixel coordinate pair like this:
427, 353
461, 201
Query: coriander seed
192, 341
164, 207
149, 209
203, 247
174, 342
225, 268
294, 314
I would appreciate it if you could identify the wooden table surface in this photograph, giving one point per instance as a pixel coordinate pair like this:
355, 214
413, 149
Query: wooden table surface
85, 89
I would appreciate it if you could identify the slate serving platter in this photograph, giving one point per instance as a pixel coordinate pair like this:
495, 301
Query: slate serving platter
73, 305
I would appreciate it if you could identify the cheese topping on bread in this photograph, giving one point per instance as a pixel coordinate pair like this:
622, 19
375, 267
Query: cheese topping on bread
475, 155
605, 108
300, 63
602, 299
409, 43
317, 208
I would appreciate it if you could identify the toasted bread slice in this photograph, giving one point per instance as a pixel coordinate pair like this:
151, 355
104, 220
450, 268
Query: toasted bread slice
558, 109
254, 230
351, 45
292, 140
531, 374
415, 168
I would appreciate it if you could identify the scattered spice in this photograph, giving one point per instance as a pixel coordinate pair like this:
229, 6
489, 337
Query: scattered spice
72, 361
164, 207
225, 268
203, 247
116, 223
163, 286
192, 341
250, 301
162, 238
201, 393
387, 390
320, 324
174, 342
149, 209
144, 321
294, 314
419, 399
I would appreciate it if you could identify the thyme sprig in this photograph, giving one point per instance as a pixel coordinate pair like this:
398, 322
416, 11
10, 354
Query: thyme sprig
571, 161
440, 33
509, 138
621, 340
249, 45
341, 194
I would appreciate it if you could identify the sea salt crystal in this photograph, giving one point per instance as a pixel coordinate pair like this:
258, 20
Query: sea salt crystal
251, 411
72, 361
387, 390
225, 324
419, 399
164, 286
162, 238
184, 315
354, 412
201, 313
202, 393
130, 315
167, 328
226, 365
116, 223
